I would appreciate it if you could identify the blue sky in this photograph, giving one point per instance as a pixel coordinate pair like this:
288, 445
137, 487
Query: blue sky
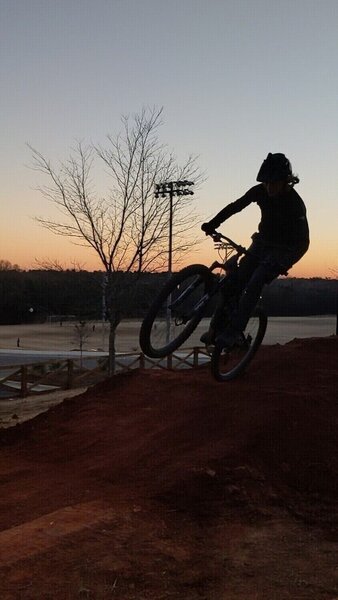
237, 79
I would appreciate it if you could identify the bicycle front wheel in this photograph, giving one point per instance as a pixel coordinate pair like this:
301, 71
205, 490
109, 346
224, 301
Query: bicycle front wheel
176, 311
228, 364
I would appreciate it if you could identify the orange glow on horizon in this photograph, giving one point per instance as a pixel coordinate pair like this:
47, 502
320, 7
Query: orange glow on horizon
319, 262
305, 268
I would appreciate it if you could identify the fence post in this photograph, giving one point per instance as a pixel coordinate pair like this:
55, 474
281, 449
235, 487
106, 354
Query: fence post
142, 361
70, 371
170, 361
195, 361
23, 391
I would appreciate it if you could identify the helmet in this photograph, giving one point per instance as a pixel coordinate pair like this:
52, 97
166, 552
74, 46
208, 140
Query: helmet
276, 167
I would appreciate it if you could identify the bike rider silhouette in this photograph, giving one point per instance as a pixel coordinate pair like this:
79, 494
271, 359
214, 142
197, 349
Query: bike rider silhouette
280, 242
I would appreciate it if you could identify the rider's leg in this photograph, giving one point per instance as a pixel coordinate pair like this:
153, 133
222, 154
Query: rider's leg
251, 295
270, 266
233, 287
247, 302
274, 261
219, 319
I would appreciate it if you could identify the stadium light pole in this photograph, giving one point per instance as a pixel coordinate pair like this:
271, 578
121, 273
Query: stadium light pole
104, 306
164, 190
171, 189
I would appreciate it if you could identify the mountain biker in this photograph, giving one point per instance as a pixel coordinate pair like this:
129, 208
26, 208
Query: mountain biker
281, 240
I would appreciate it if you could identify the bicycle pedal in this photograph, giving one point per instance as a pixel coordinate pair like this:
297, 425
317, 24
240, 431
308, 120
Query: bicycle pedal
243, 344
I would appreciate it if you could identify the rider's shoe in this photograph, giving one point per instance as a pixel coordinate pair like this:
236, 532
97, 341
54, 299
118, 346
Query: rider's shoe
208, 337
229, 338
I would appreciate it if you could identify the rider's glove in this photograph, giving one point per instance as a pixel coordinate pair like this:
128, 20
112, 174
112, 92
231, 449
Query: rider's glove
208, 228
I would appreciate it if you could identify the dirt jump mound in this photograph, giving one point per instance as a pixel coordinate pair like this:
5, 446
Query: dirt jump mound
158, 484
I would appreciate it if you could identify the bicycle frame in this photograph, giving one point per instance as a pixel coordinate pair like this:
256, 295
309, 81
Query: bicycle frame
229, 266
186, 297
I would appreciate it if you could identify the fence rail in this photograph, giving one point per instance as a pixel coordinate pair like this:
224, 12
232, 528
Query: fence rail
43, 377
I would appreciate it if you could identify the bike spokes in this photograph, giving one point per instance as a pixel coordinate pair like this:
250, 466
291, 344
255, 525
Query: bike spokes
176, 311
227, 363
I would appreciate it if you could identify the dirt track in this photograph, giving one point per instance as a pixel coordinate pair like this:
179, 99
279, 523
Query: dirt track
158, 485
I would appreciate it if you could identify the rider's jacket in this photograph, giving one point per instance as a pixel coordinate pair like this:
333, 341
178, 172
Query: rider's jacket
283, 218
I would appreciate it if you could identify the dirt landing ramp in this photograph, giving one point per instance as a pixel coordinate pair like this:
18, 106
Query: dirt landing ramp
170, 485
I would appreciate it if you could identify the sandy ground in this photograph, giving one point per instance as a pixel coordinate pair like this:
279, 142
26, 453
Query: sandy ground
54, 337
17, 410
61, 338
161, 485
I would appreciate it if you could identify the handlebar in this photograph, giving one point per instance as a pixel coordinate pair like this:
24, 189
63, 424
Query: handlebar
217, 237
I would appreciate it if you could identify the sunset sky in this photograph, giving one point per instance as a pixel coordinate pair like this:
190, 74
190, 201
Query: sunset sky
237, 79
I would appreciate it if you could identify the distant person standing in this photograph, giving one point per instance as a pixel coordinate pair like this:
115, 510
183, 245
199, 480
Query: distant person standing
280, 242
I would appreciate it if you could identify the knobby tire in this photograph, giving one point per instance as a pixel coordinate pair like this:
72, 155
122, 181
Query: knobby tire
148, 325
220, 359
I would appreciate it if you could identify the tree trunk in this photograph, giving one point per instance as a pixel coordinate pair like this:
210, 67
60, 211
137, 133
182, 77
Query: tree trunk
113, 323
111, 349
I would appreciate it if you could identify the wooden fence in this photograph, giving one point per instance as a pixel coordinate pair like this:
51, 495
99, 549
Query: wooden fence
43, 377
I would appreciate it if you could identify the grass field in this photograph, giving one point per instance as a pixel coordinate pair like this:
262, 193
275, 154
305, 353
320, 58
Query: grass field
52, 336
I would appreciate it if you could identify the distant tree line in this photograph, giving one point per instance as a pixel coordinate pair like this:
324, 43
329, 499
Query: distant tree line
301, 297
39, 295
29, 296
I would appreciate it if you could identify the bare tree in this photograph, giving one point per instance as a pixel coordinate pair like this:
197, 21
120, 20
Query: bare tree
82, 333
128, 228
53, 264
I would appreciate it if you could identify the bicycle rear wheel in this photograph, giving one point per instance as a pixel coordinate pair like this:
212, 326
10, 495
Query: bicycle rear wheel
228, 364
176, 311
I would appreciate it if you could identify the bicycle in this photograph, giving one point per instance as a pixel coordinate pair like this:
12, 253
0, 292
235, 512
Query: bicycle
184, 301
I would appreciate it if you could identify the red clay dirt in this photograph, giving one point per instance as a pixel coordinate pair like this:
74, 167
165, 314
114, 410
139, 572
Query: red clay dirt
168, 485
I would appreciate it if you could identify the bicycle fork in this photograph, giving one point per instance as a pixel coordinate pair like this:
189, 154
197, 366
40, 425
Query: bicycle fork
184, 295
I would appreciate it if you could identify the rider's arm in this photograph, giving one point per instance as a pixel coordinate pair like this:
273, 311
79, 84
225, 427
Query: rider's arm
231, 209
